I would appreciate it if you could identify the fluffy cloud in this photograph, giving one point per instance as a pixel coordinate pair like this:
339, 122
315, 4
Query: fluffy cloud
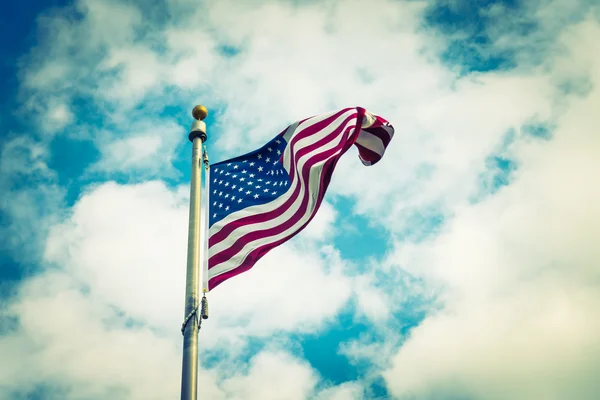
69, 344
294, 379
519, 270
146, 150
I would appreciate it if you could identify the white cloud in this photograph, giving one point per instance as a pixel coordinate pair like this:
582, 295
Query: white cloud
136, 65
59, 116
145, 150
322, 225
371, 300
128, 244
345, 391
519, 270
273, 376
80, 348
74, 343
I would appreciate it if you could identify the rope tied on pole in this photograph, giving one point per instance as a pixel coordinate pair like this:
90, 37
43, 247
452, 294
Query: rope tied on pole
194, 313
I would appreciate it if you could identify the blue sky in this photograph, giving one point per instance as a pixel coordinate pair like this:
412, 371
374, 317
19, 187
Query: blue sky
462, 266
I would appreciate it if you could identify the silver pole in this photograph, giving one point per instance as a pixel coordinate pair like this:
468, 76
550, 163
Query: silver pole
189, 369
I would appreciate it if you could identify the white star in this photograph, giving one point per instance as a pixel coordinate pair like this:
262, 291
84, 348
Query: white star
256, 196
285, 183
220, 172
228, 173
220, 193
245, 161
228, 164
227, 195
248, 192
242, 179
215, 191
216, 169
251, 164
267, 182
260, 180
251, 175
259, 156
239, 200
226, 183
267, 159
278, 152
232, 197
273, 192
227, 208
266, 190
215, 203
234, 176
275, 162
215, 181
235, 167
278, 141
214, 215
221, 181
233, 186
259, 170
280, 183
250, 183
244, 171
270, 149
257, 187
241, 189
220, 205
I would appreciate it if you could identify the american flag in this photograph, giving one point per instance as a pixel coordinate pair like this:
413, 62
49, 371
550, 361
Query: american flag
262, 199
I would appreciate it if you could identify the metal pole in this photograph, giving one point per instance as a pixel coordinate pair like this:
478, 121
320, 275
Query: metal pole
189, 370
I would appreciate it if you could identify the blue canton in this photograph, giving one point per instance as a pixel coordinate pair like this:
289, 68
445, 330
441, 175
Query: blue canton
252, 179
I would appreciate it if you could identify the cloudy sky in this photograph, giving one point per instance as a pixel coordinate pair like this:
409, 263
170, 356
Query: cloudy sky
463, 266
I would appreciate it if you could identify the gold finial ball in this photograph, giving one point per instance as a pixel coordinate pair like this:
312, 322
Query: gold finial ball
199, 112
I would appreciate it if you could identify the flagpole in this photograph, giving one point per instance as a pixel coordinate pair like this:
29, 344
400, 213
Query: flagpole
189, 369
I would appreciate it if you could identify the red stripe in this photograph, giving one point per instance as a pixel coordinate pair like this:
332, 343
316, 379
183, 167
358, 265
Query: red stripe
301, 133
256, 218
223, 255
295, 154
367, 154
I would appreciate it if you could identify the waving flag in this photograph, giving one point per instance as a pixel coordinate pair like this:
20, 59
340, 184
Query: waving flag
262, 199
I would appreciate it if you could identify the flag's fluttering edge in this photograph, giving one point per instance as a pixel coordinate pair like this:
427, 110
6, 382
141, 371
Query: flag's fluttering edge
262, 199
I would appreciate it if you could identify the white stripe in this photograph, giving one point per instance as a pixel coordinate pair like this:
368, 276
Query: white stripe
259, 209
291, 210
237, 260
290, 131
389, 130
308, 124
371, 142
